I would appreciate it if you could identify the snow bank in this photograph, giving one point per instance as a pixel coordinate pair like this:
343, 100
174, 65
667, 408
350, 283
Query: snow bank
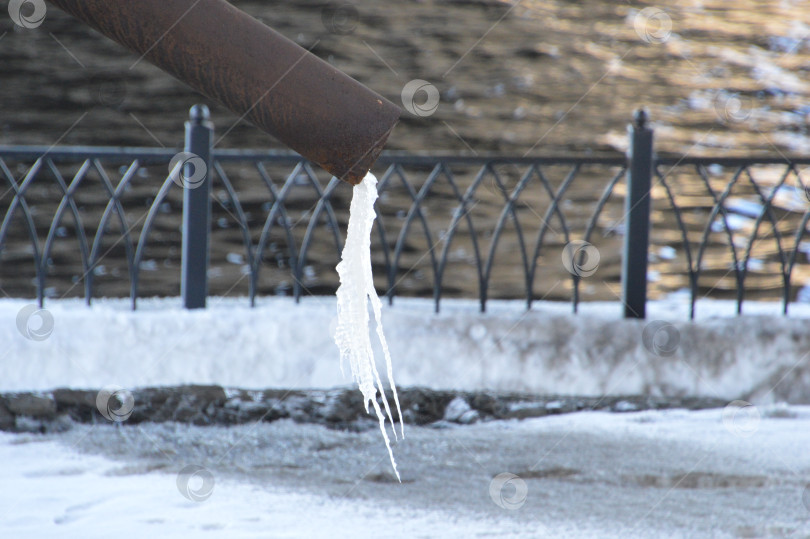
761, 357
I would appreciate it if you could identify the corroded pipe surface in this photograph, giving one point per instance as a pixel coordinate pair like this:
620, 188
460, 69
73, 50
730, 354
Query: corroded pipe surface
229, 56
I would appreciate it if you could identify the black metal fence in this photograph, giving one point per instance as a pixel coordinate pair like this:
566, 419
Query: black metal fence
565, 227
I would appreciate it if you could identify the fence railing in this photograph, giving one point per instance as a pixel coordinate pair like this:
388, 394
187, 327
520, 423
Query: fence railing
557, 227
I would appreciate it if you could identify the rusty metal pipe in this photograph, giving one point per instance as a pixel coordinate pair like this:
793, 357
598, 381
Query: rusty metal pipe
260, 75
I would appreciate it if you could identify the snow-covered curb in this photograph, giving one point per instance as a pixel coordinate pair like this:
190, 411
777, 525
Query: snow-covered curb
762, 358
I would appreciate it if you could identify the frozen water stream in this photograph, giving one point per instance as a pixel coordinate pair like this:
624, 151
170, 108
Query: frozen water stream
353, 296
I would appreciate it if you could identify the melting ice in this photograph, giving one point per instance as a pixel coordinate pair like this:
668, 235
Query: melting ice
356, 290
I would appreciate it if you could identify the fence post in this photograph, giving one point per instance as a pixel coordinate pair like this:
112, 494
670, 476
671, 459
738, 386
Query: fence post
637, 211
196, 183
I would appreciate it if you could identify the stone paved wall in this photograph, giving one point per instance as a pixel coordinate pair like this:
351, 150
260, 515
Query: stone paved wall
338, 408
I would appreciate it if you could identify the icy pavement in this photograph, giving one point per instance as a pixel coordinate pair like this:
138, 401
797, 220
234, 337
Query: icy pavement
645, 474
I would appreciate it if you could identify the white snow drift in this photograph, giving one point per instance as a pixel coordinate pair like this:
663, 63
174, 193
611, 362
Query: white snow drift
762, 356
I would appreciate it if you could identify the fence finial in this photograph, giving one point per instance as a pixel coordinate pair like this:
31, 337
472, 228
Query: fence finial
199, 114
640, 117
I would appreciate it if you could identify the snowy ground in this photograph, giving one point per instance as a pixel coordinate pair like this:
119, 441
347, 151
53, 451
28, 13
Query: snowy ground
762, 357
646, 474
720, 473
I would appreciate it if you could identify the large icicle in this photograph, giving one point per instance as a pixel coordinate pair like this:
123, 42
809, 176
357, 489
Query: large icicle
355, 291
